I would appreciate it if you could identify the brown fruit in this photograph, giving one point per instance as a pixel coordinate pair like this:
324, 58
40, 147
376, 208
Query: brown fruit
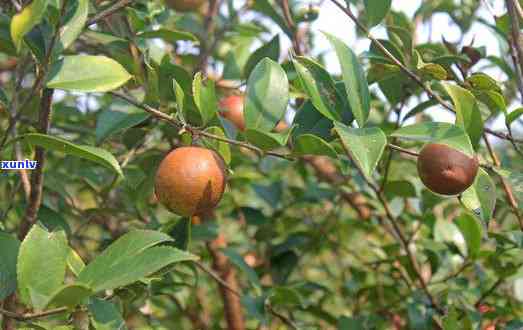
445, 170
185, 5
233, 110
191, 180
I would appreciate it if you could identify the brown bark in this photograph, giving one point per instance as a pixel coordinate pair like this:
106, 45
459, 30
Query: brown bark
327, 172
231, 302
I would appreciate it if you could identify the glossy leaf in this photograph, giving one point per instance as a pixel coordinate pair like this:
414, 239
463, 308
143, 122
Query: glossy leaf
480, 198
472, 232
267, 96
513, 116
376, 10
131, 258
26, 19
170, 36
111, 122
105, 315
266, 141
222, 148
9, 247
515, 179
468, 116
97, 155
205, 98
309, 144
354, 79
74, 22
69, 295
320, 87
436, 132
364, 145
47, 252
75, 262
87, 73
270, 50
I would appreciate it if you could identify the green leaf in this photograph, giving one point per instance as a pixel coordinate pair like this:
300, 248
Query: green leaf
180, 232
482, 81
170, 36
268, 9
447, 231
9, 247
110, 122
131, 258
69, 295
204, 98
285, 297
45, 252
468, 116
270, 50
399, 188
74, 22
471, 231
267, 96
180, 95
97, 155
309, 144
266, 141
513, 115
75, 262
105, 315
376, 10
87, 73
222, 148
480, 198
515, 179
26, 19
429, 70
435, 132
238, 261
420, 108
364, 145
354, 79
320, 87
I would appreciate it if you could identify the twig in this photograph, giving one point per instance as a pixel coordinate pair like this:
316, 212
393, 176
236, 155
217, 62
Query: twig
32, 316
514, 42
487, 293
109, 11
401, 236
195, 131
208, 26
220, 281
506, 187
411, 74
37, 177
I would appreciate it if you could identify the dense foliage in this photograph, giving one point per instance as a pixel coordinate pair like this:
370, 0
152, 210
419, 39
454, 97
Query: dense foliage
325, 222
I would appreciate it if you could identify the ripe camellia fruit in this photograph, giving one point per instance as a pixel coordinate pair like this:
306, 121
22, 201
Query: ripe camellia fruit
233, 111
184, 5
445, 170
233, 106
191, 180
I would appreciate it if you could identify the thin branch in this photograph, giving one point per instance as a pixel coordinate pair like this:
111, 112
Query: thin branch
109, 11
506, 187
411, 74
514, 41
487, 293
32, 316
401, 237
224, 284
195, 131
